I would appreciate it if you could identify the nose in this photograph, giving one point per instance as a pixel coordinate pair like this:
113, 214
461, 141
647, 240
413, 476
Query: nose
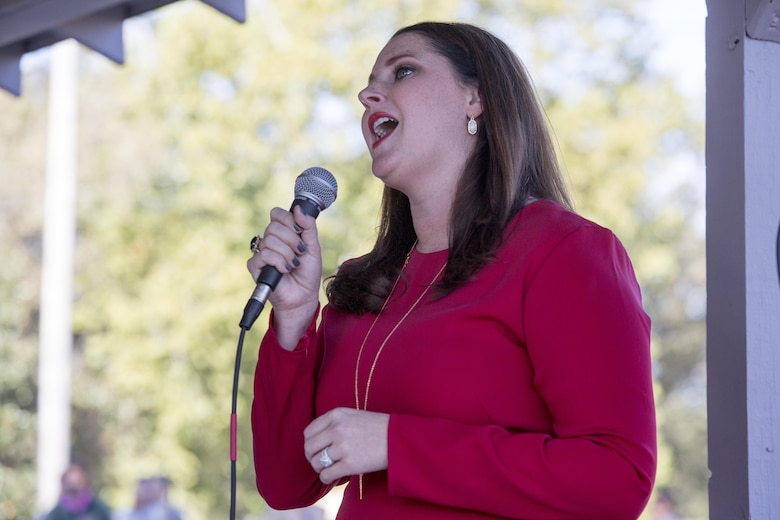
370, 95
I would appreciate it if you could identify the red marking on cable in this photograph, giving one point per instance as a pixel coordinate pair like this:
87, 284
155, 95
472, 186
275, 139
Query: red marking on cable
233, 429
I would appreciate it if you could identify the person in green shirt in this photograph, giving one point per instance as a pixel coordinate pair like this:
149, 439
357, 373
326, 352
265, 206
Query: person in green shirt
77, 500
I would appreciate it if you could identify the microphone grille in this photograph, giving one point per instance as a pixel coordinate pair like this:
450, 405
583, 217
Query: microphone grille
317, 184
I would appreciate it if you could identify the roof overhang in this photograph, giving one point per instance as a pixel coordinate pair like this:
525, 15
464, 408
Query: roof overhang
28, 25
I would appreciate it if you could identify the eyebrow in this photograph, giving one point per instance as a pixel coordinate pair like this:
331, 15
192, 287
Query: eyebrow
390, 61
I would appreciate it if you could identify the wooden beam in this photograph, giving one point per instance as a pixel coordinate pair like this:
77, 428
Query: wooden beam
28, 25
232, 8
101, 32
10, 71
30, 18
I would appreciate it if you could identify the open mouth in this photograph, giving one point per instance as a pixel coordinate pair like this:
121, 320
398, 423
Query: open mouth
384, 126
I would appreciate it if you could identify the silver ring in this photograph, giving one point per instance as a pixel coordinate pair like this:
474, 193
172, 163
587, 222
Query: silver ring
325, 460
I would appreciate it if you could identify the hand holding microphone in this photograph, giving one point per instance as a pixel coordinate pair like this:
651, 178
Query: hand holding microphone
315, 190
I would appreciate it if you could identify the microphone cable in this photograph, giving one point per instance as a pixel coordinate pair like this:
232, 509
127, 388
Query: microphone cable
234, 425
315, 190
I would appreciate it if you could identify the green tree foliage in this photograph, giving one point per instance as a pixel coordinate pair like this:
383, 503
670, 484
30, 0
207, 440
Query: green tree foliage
185, 149
22, 127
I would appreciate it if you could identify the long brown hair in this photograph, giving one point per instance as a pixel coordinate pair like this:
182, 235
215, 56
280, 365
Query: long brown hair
513, 161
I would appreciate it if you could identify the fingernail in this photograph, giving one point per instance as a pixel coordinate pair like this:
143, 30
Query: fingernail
288, 267
301, 247
296, 262
297, 228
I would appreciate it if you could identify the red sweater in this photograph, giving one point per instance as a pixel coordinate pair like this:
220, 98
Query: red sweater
525, 394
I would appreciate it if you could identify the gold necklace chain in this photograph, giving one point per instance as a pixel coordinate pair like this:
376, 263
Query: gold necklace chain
384, 342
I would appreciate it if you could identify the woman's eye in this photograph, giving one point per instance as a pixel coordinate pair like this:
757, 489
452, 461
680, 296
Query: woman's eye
402, 72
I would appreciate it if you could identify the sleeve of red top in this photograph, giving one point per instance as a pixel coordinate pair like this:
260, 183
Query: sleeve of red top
589, 341
283, 406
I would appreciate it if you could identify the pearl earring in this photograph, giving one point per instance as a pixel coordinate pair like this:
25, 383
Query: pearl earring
472, 126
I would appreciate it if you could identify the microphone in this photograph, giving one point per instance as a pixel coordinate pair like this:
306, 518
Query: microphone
315, 190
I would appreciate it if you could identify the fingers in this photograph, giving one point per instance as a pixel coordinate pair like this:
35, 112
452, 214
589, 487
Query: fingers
354, 440
324, 447
285, 240
316, 438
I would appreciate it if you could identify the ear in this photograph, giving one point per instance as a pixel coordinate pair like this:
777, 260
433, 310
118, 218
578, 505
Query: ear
474, 108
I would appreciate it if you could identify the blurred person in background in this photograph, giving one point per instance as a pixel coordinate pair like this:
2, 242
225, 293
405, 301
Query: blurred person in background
78, 500
151, 501
664, 506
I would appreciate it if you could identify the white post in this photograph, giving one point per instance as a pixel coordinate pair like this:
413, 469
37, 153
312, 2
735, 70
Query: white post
743, 290
59, 236
762, 285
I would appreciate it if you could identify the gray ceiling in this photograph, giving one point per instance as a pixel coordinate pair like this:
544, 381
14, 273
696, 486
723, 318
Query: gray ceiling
28, 25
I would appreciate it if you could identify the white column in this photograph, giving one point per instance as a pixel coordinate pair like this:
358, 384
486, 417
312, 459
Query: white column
743, 289
762, 288
59, 235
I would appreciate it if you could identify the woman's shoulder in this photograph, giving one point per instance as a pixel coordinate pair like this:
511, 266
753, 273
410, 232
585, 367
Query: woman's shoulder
548, 221
545, 227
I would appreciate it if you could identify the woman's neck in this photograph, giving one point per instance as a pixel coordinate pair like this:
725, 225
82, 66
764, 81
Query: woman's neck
431, 224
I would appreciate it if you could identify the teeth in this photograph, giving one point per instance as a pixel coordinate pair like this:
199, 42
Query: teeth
381, 131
